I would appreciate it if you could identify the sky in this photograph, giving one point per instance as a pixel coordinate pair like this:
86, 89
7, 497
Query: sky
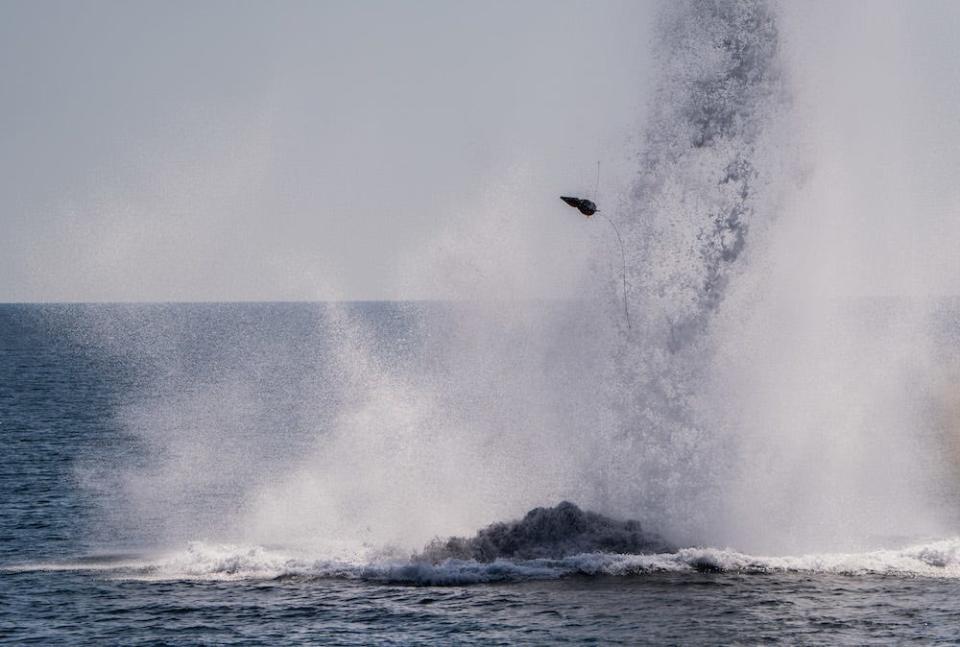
876, 89
223, 151
184, 151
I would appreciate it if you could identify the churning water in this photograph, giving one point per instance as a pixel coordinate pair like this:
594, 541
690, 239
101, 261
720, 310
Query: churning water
229, 473
753, 459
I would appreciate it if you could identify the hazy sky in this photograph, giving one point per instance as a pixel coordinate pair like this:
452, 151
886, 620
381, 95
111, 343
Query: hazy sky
295, 150
287, 150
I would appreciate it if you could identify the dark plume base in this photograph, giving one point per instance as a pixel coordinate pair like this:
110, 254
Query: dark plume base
548, 533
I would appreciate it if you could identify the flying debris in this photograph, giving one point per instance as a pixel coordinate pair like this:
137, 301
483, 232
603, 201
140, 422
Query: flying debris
586, 207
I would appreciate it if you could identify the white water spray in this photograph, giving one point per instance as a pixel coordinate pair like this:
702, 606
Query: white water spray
741, 408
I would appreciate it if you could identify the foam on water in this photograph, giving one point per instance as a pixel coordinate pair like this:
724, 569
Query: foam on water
202, 561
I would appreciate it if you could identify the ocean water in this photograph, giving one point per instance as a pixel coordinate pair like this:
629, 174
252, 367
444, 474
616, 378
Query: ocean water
87, 558
761, 455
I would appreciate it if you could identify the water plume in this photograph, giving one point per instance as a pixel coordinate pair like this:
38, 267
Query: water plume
517, 404
741, 408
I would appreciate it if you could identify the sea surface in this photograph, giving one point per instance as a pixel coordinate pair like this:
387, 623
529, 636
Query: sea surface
73, 571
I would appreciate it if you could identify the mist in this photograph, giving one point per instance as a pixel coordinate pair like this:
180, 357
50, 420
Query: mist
241, 151
783, 181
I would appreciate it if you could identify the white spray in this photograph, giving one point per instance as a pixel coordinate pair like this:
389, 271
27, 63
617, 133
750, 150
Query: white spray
740, 407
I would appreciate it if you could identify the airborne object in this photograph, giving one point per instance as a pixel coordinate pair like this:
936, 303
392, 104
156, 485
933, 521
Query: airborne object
586, 207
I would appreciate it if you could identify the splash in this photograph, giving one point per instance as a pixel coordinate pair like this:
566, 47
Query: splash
225, 562
703, 186
548, 532
737, 410
704, 158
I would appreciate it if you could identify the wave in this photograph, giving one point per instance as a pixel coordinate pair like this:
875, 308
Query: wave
546, 543
202, 561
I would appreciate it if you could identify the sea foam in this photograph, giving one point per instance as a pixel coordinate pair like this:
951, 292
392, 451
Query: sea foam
202, 561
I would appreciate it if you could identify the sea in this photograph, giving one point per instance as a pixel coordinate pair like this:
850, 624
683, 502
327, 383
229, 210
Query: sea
117, 527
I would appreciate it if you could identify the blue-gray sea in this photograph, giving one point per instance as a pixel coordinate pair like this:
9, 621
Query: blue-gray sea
74, 571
